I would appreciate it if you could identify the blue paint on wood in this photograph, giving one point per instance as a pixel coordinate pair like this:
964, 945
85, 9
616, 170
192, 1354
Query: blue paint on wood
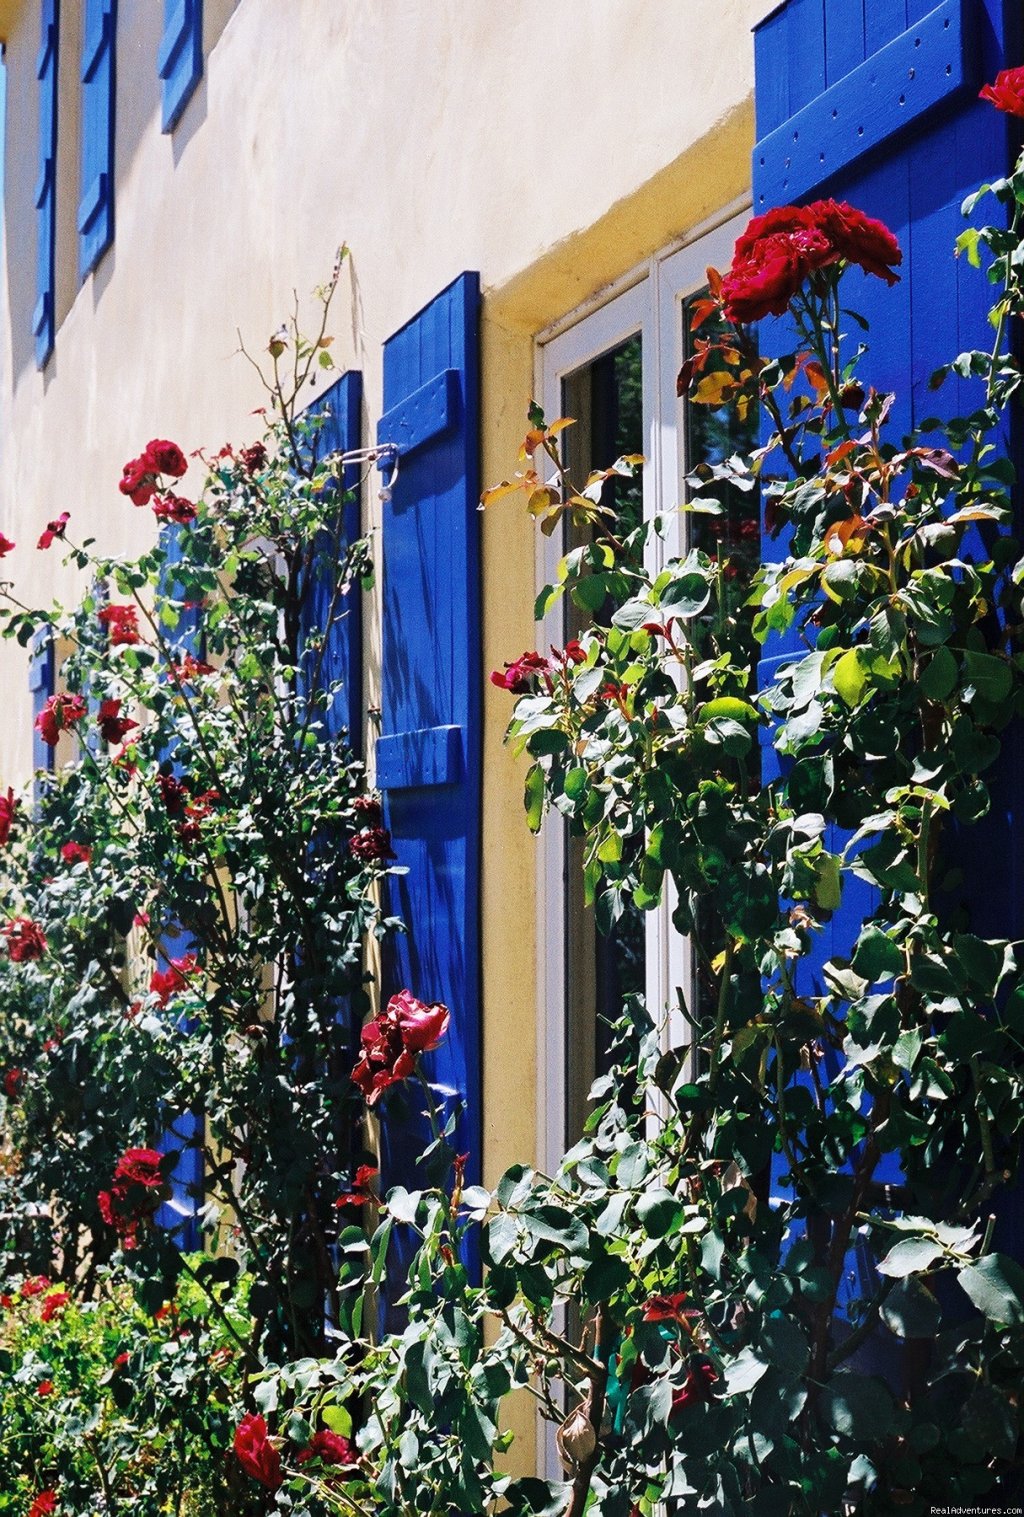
884, 20
96, 204
43, 316
771, 70
342, 662
179, 1215
918, 70
432, 684
805, 44
426, 414
912, 167
411, 760
844, 38
41, 682
179, 60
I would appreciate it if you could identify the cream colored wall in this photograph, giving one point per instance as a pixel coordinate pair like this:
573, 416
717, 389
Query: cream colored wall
551, 144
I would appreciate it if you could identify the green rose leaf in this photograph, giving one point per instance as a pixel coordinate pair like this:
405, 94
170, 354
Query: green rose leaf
996, 1286
910, 1256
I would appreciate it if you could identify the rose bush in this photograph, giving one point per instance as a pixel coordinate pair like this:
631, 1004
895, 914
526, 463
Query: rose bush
721, 1298
140, 1407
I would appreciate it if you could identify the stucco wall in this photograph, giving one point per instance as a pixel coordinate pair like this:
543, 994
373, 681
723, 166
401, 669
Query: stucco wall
551, 144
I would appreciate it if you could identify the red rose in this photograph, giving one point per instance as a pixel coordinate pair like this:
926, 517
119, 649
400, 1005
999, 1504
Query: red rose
764, 282
55, 1302
59, 714
367, 807
384, 1060
174, 793
360, 1191
696, 1388
858, 238
518, 677
254, 458
134, 1195
777, 251
14, 1079
44, 1388
197, 810
76, 853
391, 1040
5, 545
422, 1025
140, 1166
55, 528
165, 983
780, 219
163, 457
1007, 94
174, 508
44, 1504
34, 1286
329, 1448
256, 1454
137, 482
8, 806
666, 1308
113, 726
573, 653
372, 845
189, 669
25, 940
121, 624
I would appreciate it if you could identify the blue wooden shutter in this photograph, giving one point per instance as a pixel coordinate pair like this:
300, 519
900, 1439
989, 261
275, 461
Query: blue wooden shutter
877, 104
96, 207
879, 107
428, 757
46, 185
41, 683
179, 61
341, 405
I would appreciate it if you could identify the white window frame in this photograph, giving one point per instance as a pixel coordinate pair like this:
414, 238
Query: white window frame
649, 301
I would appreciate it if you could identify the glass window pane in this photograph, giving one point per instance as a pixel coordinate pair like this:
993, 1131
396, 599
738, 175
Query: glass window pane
605, 397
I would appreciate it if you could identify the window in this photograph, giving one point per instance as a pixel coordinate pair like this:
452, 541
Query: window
614, 370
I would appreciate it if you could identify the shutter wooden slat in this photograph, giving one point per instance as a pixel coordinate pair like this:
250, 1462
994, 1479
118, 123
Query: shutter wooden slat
96, 206
180, 57
342, 660
43, 316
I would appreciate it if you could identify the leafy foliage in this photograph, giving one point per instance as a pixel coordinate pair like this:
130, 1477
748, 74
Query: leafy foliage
769, 1275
